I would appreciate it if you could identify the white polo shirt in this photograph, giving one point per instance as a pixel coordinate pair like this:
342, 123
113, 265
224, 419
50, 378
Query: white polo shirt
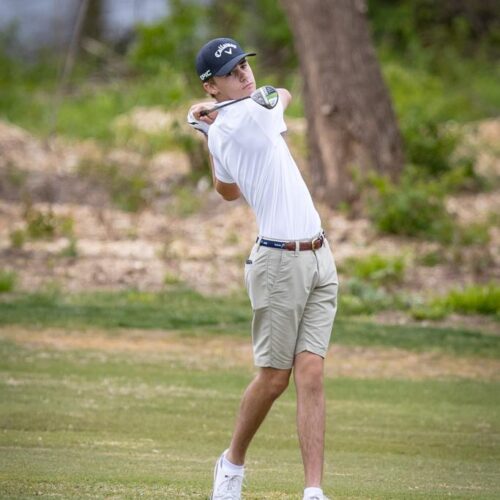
248, 149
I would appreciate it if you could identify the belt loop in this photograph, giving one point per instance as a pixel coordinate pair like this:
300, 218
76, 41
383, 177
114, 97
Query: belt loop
297, 248
257, 242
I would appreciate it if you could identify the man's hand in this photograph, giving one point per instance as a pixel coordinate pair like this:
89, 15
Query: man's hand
198, 122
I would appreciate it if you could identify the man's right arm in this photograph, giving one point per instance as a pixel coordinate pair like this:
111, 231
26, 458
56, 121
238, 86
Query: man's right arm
285, 97
229, 191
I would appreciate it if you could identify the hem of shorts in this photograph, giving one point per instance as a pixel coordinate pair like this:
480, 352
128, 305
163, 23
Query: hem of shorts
321, 353
260, 364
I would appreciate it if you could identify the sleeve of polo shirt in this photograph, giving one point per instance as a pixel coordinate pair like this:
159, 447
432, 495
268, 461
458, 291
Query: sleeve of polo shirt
271, 121
221, 172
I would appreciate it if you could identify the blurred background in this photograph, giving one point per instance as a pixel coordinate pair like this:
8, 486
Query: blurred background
124, 323
104, 187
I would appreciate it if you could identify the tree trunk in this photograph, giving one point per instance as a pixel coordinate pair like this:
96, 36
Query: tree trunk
351, 123
92, 25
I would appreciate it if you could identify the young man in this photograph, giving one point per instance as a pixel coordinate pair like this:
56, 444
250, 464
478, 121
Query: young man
290, 274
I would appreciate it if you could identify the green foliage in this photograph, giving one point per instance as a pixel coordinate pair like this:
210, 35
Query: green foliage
7, 281
474, 299
414, 208
41, 225
171, 279
412, 28
428, 144
17, 238
376, 268
175, 40
262, 26
429, 312
475, 233
360, 297
172, 42
431, 258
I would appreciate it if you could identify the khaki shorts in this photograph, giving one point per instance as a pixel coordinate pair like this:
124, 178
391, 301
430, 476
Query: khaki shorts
294, 301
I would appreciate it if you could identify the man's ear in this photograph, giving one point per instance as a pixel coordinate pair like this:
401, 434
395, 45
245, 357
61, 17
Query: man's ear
211, 87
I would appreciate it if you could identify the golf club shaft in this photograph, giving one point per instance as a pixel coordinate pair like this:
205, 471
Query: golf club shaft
206, 112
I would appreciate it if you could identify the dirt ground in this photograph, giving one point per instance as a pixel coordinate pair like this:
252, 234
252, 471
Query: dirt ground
212, 353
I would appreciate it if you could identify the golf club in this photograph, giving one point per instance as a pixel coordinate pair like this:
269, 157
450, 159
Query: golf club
266, 96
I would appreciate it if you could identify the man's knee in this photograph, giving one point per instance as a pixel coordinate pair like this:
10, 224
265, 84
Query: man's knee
308, 371
274, 381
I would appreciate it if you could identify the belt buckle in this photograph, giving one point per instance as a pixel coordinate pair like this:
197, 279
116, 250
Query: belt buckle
317, 239
313, 241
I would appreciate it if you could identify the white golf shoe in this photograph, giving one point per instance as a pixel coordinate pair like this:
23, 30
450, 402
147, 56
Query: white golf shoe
315, 496
227, 484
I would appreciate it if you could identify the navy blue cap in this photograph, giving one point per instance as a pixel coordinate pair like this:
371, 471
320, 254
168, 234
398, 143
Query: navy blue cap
218, 57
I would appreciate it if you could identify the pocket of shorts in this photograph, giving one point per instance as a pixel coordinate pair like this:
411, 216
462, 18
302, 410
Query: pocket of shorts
256, 278
249, 263
273, 268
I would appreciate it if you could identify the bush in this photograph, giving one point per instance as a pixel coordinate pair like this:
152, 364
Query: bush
376, 268
431, 258
17, 238
475, 299
46, 224
430, 312
7, 281
174, 41
415, 208
360, 297
429, 145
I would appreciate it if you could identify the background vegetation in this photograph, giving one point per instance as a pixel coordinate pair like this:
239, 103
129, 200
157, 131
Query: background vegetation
439, 59
131, 393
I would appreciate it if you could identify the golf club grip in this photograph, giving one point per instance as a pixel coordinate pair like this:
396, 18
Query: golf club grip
206, 112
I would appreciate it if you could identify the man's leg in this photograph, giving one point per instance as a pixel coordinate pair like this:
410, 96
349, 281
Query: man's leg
257, 400
308, 375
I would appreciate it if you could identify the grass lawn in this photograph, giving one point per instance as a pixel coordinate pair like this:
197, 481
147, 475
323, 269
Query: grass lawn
99, 420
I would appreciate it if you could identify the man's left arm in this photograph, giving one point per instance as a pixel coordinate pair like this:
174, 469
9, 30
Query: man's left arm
285, 97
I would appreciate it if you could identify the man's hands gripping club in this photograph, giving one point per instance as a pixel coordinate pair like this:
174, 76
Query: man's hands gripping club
199, 122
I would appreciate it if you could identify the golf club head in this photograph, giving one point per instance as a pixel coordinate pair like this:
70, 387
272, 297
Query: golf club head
266, 96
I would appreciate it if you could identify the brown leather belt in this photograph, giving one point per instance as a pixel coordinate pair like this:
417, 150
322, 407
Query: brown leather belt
314, 244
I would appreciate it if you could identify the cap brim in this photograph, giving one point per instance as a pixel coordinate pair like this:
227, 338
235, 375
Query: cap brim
232, 63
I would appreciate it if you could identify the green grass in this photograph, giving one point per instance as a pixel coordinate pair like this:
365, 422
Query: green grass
182, 309
7, 281
102, 424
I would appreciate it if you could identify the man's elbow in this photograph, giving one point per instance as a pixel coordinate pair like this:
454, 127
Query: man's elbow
230, 197
229, 192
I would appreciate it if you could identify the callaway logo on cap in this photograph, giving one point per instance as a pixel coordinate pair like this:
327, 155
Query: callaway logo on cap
218, 57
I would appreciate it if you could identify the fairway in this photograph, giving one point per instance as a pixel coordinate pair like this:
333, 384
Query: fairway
92, 412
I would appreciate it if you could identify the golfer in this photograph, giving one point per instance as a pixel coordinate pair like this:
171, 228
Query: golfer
290, 274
